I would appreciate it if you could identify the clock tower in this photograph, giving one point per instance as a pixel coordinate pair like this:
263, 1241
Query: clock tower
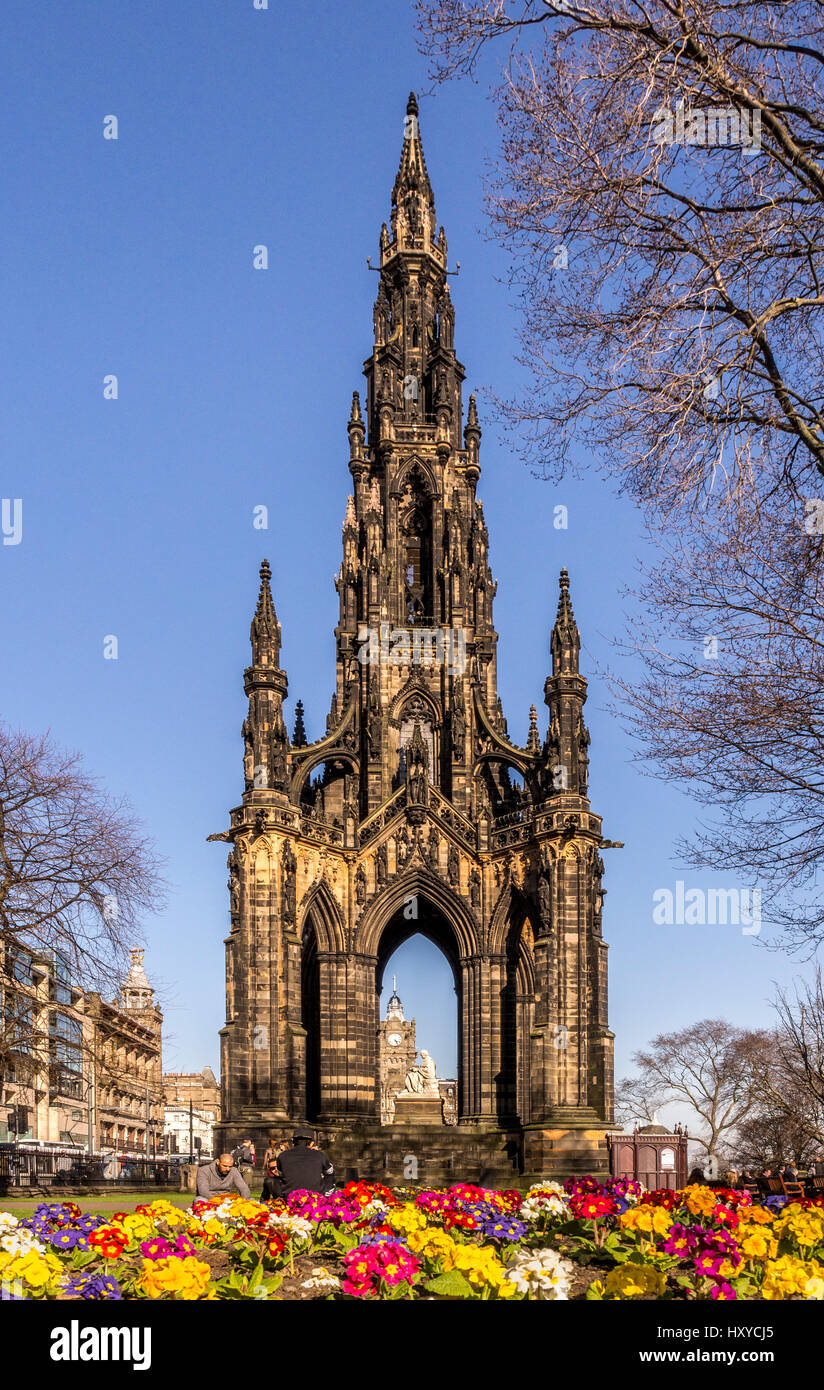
397, 1052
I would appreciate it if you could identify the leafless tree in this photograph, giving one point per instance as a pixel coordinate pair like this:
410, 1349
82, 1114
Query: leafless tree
709, 1066
670, 279
800, 1045
77, 878
730, 626
670, 275
781, 1128
638, 1099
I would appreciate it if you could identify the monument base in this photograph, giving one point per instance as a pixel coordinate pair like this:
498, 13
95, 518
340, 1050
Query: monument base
566, 1145
418, 1110
430, 1153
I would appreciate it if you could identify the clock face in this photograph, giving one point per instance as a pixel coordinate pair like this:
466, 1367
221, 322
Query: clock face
394, 1039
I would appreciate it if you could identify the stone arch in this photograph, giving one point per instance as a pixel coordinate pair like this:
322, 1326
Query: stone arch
412, 465
417, 882
308, 765
445, 920
407, 693
494, 758
511, 939
321, 905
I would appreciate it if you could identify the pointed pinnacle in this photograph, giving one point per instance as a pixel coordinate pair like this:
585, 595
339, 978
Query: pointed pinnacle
265, 607
265, 629
412, 105
565, 614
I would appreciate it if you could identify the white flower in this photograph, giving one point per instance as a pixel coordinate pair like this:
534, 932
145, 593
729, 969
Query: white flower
375, 1208
540, 1274
297, 1228
7, 1221
19, 1242
320, 1278
543, 1202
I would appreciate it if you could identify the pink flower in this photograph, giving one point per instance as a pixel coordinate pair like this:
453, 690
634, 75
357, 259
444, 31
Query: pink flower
723, 1290
157, 1248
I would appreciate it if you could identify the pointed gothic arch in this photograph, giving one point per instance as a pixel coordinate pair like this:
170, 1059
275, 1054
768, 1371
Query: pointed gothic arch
427, 887
320, 909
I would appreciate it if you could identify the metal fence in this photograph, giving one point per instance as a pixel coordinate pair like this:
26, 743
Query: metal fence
31, 1168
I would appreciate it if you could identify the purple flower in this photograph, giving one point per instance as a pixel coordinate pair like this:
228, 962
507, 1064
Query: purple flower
504, 1228
69, 1239
379, 1238
99, 1286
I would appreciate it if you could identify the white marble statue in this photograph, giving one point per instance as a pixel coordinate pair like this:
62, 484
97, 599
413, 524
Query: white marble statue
422, 1078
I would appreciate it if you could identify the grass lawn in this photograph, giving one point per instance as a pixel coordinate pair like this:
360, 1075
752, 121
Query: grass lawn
125, 1200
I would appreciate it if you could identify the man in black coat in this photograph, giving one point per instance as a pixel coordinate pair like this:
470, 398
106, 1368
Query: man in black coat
304, 1168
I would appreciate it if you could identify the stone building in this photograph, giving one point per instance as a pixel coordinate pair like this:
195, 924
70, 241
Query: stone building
77, 1069
126, 1067
191, 1110
202, 1088
415, 811
45, 1043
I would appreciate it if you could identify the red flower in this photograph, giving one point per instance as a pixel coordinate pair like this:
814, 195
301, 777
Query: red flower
460, 1219
661, 1197
590, 1206
722, 1216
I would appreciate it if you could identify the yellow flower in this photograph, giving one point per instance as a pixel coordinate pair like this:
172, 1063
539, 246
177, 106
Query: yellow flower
433, 1244
762, 1215
787, 1277
807, 1226
406, 1219
480, 1265
35, 1268
634, 1281
700, 1201
136, 1226
172, 1215
187, 1279
755, 1243
648, 1220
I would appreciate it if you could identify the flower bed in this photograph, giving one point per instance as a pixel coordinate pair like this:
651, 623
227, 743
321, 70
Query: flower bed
583, 1240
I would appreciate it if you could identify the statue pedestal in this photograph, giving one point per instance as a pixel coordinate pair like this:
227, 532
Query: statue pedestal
418, 1110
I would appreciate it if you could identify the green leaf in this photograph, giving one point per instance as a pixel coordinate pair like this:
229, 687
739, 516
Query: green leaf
450, 1285
345, 1240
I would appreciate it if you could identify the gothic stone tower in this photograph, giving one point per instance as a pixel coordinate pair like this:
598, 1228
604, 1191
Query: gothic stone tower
415, 812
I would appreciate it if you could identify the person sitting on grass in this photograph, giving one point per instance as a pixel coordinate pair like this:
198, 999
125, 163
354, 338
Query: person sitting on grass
220, 1176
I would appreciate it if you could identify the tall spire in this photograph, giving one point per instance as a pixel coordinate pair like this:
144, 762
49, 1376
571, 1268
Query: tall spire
265, 738
413, 202
566, 751
264, 633
565, 643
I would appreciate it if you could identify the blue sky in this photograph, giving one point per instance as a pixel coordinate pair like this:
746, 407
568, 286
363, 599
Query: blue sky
239, 127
